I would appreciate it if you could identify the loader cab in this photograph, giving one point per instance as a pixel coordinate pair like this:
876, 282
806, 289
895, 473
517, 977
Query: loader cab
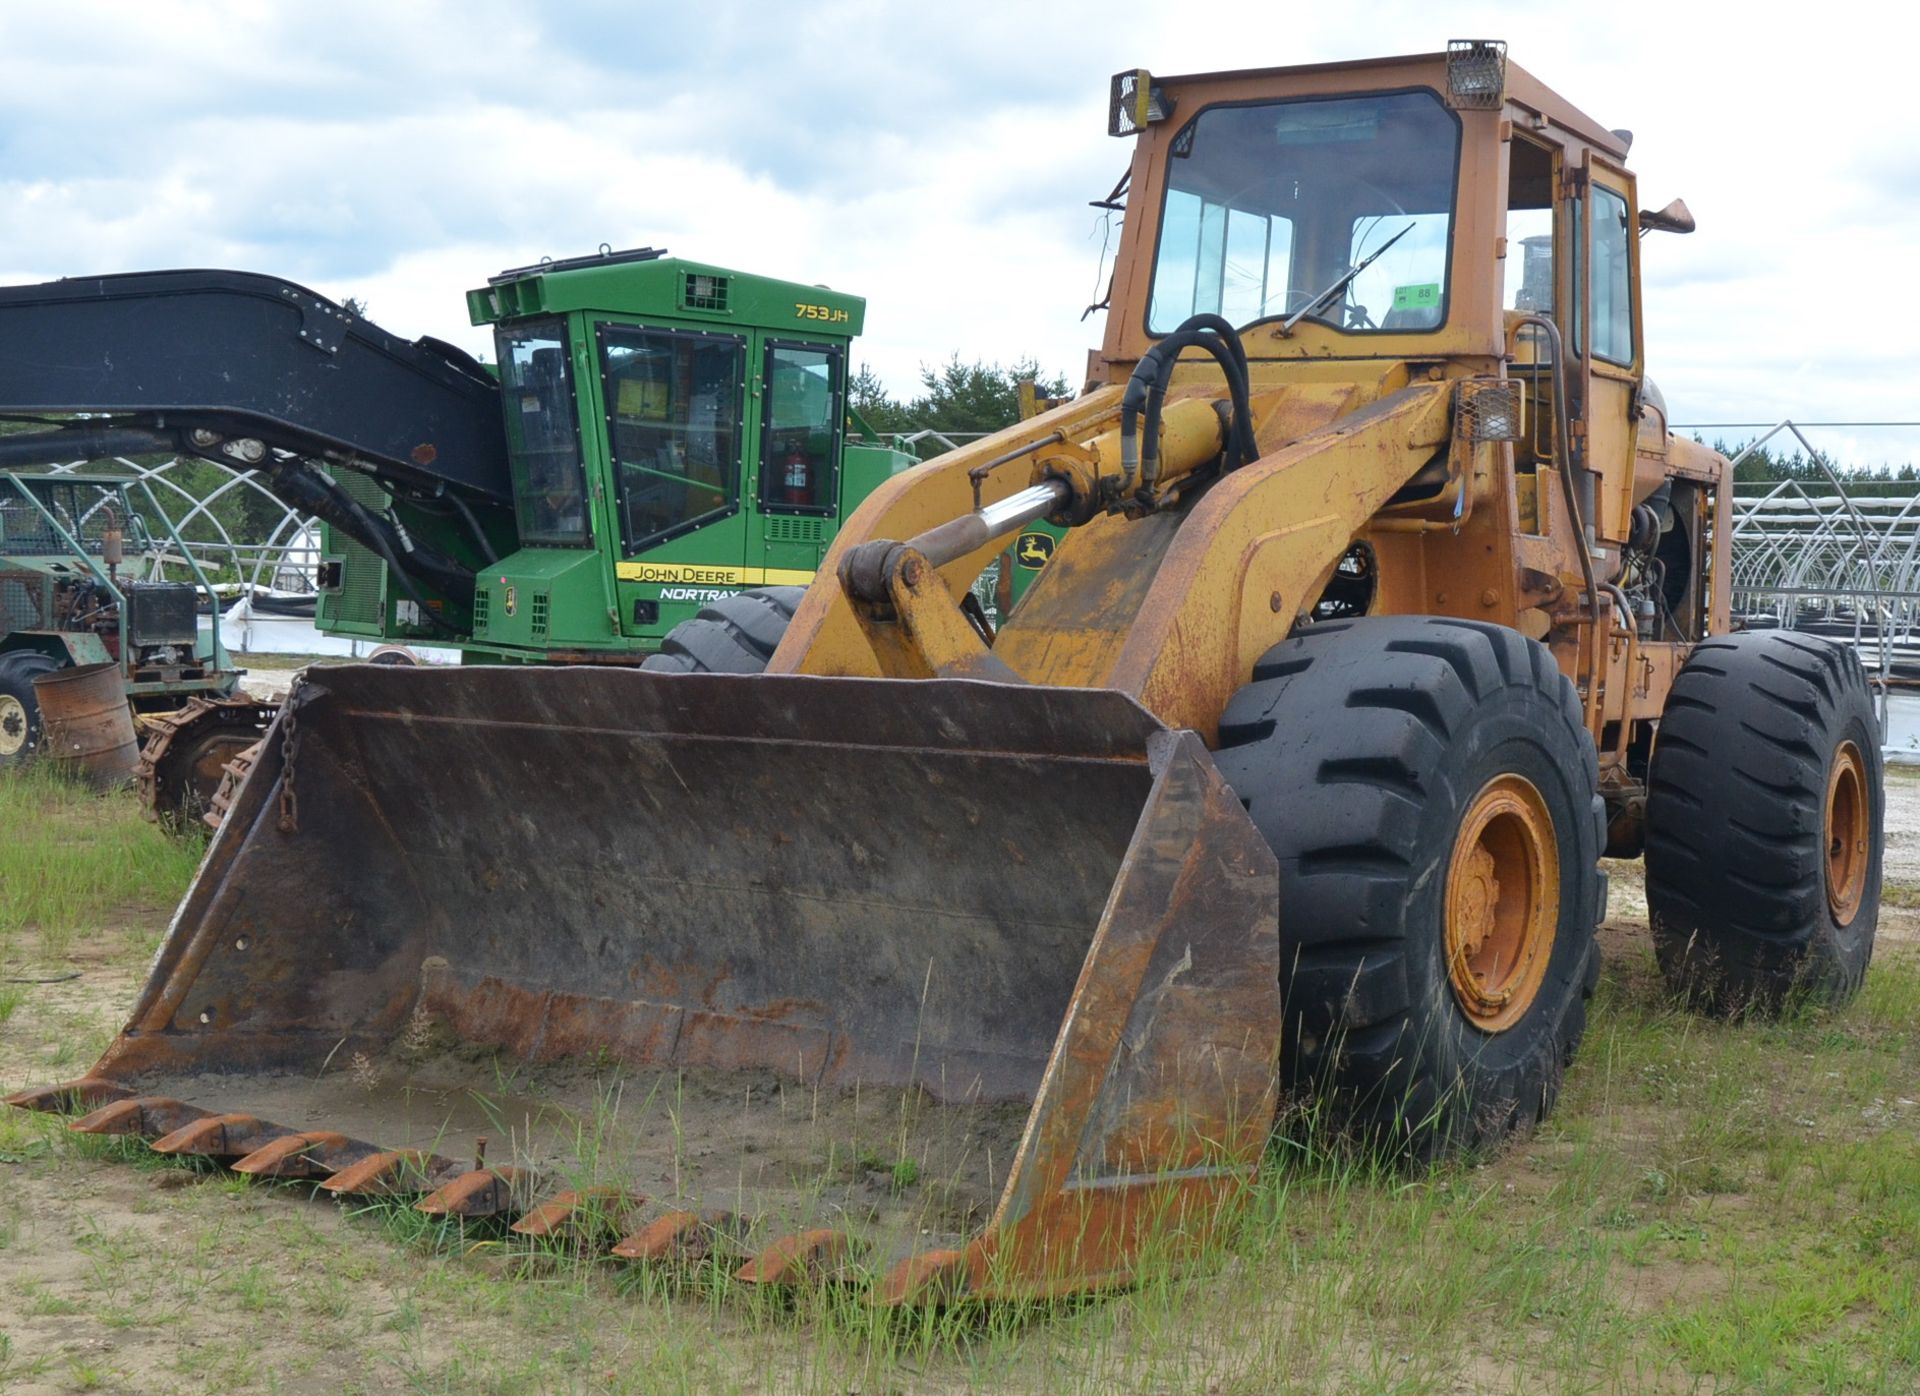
1364, 225
1329, 213
1392, 208
676, 432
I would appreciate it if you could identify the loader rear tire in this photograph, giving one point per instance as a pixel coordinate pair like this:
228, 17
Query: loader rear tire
20, 705
735, 635
1431, 792
1764, 825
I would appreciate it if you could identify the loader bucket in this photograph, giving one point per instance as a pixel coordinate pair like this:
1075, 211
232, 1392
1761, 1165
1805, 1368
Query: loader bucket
967, 988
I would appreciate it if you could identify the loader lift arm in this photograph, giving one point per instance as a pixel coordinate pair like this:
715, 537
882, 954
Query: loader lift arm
256, 371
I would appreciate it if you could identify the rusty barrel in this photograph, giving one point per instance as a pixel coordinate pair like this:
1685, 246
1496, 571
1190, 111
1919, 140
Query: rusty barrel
86, 724
781, 945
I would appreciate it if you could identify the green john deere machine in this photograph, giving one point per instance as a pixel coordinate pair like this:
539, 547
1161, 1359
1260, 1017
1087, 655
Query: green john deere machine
654, 437
674, 433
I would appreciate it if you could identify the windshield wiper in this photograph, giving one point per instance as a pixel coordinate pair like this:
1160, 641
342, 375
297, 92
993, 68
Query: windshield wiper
1346, 277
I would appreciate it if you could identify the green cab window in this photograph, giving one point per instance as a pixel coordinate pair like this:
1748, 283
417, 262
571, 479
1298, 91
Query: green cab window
674, 407
543, 435
800, 452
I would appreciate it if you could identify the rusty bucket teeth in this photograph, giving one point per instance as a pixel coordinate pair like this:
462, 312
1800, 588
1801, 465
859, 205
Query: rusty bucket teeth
806, 1257
682, 1238
480, 1192
583, 1214
70, 1097
221, 1136
933, 1277
149, 1116
311, 1154
392, 1173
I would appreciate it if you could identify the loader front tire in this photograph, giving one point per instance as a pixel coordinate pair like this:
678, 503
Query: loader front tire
1764, 825
20, 705
1431, 792
735, 635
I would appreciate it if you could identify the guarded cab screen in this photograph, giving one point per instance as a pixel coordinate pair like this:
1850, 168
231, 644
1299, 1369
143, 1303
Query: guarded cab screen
674, 408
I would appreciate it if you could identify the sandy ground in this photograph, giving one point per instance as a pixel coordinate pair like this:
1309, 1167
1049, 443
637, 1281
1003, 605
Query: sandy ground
1901, 860
268, 676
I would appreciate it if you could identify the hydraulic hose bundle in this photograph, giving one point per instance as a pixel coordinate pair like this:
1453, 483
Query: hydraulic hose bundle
1147, 390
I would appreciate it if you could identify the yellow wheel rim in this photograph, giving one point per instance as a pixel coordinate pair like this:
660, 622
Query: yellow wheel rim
1502, 903
13, 725
1847, 832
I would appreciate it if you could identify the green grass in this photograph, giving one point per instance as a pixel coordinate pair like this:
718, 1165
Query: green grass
1712, 1207
72, 861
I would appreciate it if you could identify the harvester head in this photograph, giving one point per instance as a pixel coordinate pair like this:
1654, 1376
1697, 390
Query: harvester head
969, 987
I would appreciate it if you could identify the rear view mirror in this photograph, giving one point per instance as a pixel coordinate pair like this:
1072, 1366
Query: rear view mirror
1674, 218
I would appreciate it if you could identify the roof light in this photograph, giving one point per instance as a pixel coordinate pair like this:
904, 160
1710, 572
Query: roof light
1476, 73
1135, 102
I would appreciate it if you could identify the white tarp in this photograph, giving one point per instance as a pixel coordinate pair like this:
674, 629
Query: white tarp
247, 629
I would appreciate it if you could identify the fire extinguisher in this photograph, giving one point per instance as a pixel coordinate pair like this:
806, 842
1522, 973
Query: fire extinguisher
798, 489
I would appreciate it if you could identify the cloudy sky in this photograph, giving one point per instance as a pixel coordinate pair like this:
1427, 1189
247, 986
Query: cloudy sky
936, 159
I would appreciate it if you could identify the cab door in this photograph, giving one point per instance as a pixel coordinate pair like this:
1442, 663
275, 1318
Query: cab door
1606, 337
675, 405
802, 429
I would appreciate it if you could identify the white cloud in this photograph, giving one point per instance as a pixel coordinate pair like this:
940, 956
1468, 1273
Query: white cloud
936, 160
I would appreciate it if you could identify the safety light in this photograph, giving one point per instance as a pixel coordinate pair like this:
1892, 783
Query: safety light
1135, 102
1476, 72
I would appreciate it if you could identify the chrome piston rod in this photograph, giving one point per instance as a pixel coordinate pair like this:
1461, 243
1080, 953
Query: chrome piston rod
954, 539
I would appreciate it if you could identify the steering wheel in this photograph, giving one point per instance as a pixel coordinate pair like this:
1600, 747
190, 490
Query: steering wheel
1352, 315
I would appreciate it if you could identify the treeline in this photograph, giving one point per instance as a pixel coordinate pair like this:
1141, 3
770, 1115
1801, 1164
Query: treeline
955, 397
1772, 463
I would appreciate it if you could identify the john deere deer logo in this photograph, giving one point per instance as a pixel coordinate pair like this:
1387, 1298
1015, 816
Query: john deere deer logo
1033, 549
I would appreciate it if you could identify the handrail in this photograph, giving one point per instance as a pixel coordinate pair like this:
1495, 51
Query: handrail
1582, 524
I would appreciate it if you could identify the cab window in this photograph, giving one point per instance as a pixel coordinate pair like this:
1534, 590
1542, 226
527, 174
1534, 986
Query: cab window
1612, 278
1403, 286
1335, 209
1529, 266
674, 408
801, 439
543, 435
1230, 261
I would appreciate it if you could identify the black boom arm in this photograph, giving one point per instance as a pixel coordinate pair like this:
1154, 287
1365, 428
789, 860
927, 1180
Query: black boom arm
259, 372
238, 355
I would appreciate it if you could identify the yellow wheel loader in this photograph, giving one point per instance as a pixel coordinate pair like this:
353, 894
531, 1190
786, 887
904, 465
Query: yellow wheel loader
977, 963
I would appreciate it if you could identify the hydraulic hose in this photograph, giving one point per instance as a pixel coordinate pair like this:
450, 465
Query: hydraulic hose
66, 443
1146, 391
1582, 524
304, 487
1240, 434
480, 539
